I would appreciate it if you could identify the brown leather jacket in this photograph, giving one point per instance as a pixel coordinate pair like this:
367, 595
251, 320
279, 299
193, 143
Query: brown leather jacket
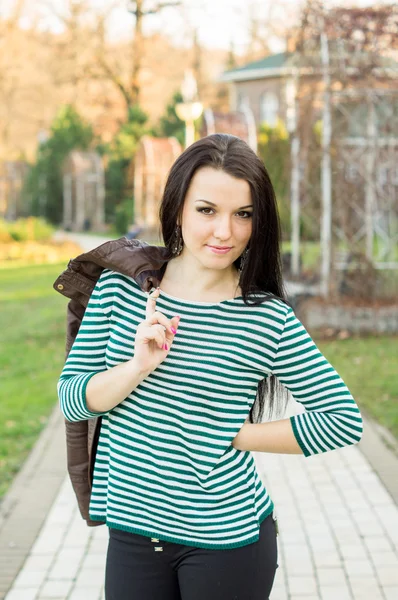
136, 259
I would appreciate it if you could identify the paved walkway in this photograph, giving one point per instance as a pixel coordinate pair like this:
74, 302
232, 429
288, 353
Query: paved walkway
89, 241
85, 240
338, 535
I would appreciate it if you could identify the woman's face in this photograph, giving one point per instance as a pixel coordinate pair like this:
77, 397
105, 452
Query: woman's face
217, 211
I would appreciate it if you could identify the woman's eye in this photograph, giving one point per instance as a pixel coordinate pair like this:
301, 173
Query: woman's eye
245, 212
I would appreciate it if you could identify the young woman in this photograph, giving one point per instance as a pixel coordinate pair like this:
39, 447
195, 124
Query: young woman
181, 378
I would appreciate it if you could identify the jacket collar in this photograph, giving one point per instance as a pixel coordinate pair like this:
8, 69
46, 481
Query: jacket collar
134, 258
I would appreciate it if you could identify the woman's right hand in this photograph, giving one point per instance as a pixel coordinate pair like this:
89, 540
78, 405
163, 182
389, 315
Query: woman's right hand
154, 336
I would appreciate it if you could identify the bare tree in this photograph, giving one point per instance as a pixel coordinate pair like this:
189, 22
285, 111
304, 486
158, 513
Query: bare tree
129, 87
137, 8
345, 57
10, 65
71, 51
258, 45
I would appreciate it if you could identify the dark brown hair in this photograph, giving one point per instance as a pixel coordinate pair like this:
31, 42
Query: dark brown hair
262, 271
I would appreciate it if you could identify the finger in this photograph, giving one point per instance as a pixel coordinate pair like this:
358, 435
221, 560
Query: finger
160, 340
153, 334
170, 335
160, 336
159, 317
151, 303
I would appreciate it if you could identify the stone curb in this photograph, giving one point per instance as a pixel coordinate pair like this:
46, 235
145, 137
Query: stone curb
380, 448
27, 503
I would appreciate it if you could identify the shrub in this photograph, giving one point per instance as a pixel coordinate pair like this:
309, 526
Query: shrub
274, 150
28, 229
124, 215
44, 186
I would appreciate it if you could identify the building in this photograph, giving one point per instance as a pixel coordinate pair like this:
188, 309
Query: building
262, 86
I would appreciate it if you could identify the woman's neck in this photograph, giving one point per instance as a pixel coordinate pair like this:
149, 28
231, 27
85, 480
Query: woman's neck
201, 284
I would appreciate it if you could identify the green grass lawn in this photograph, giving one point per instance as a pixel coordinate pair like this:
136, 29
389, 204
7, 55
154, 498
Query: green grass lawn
368, 366
32, 322
32, 325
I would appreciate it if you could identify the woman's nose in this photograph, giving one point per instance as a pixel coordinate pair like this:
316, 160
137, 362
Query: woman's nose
223, 229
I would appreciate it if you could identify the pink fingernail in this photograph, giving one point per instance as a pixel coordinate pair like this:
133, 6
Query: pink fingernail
174, 330
166, 347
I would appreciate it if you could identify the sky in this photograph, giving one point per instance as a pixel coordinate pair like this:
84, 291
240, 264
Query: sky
219, 22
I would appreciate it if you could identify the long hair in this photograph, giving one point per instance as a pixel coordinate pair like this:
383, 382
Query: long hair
262, 271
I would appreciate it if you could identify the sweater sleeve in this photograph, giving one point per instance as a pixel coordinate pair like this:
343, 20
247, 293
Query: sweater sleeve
85, 359
332, 418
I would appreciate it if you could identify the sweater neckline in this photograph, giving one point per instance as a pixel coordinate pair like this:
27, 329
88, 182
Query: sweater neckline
195, 302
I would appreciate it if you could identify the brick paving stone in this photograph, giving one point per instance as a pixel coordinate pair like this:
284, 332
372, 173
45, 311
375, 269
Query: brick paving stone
327, 559
67, 563
391, 593
388, 575
353, 550
22, 594
28, 579
362, 581
300, 568
381, 558
335, 593
94, 561
64, 570
331, 576
33, 572
369, 592
279, 588
98, 546
302, 597
359, 567
388, 515
86, 593
87, 576
364, 586
376, 544
49, 540
302, 585
56, 589
100, 532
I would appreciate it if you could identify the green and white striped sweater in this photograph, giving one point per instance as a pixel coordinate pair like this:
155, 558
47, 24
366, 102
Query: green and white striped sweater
165, 466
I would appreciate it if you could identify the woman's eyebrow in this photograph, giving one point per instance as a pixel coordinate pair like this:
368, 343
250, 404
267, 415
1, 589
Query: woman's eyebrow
212, 203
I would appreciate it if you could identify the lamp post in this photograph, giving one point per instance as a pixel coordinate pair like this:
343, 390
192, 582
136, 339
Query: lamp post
190, 109
291, 123
42, 137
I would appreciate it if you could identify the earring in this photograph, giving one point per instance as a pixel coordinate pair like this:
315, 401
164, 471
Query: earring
243, 258
177, 243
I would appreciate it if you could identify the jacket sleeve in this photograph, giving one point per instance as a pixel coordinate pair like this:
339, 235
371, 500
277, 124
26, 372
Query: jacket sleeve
85, 359
331, 419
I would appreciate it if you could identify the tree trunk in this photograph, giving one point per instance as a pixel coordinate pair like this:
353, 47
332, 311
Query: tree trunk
138, 53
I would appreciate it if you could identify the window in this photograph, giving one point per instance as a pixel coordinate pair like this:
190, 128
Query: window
269, 107
243, 102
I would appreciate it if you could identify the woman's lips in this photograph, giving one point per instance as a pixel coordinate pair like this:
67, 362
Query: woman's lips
219, 250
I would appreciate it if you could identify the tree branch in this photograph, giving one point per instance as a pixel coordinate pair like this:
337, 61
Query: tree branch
116, 80
156, 9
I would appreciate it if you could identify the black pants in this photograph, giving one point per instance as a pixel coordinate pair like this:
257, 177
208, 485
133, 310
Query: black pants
136, 571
